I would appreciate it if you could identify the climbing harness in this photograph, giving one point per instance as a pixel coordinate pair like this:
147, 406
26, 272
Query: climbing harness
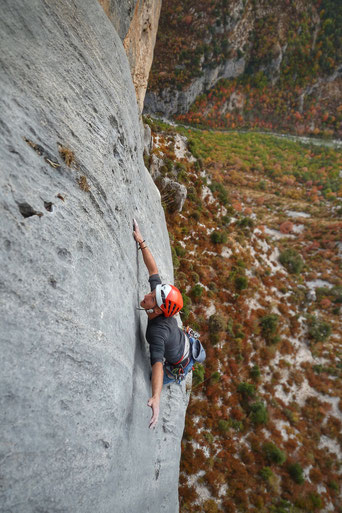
176, 370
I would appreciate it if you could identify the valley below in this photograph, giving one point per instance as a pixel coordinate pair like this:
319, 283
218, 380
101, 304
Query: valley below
257, 253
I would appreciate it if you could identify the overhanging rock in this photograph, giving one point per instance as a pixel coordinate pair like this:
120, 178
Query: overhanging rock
75, 366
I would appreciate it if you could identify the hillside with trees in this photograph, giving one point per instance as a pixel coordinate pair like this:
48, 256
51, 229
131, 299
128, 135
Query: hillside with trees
256, 65
257, 246
257, 254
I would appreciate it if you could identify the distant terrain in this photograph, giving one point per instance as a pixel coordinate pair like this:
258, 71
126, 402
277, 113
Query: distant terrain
257, 246
250, 64
257, 252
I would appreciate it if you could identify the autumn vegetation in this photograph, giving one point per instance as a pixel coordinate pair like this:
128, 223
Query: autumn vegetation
285, 57
263, 428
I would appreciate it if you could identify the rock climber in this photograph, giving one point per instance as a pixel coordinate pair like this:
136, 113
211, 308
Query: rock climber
170, 347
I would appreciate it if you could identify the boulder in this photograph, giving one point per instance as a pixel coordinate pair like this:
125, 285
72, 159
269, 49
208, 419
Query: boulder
173, 194
147, 139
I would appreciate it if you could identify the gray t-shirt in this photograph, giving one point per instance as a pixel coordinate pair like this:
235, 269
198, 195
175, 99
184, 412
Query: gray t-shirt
166, 339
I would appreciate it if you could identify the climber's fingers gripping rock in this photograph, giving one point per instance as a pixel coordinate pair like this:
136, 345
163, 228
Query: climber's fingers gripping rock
136, 232
153, 403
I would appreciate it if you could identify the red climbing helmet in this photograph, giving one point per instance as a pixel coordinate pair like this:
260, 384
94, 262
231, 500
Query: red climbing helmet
169, 299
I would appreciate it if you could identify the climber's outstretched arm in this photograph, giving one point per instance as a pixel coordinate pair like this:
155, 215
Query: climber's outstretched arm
157, 385
146, 253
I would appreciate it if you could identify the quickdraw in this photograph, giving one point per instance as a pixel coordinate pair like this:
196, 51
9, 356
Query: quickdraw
191, 332
176, 373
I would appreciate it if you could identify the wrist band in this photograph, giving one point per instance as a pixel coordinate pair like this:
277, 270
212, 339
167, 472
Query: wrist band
143, 247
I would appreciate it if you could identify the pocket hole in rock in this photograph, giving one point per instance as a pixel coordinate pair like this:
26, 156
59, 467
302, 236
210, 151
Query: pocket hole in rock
48, 205
27, 211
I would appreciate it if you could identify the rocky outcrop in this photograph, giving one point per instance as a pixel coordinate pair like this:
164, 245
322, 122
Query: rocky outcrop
169, 101
75, 365
120, 13
139, 44
173, 194
263, 44
136, 22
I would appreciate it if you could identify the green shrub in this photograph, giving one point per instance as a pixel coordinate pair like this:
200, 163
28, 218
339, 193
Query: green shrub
238, 330
292, 261
222, 193
296, 473
197, 291
179, 167
192, 148
269, 325
147, 160
229, 327
214, 338
175, 260
283, 506
315, 500
319, 330
274, 454
246, 389
333, 485
196, 215
223, 425
225, 220
246, 222
167, 167
215, 377
197, 165
216, 323
181, 275
240, 263
218, 237
266, 473
241, 282
290, 415
185, 312
208, 436
212, 286
198, 374
180, 251
255, 372
336, 293
259, 413
195, 277
192, 195
237, 425
322, 292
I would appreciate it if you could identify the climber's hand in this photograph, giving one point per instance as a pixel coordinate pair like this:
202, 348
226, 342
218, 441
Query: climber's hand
136, 232
153, 403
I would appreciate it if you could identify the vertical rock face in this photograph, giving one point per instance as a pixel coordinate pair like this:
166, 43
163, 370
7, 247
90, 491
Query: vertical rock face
139, 44
75, 366
136, 22
168, 101
120, 13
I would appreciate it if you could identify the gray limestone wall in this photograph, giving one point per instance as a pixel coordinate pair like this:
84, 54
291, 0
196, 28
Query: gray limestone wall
120, 13
75, 368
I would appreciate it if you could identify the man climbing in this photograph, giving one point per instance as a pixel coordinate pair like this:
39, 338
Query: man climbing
171, 356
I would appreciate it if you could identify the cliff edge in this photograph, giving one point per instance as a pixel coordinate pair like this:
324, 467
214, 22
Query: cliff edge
75, 364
